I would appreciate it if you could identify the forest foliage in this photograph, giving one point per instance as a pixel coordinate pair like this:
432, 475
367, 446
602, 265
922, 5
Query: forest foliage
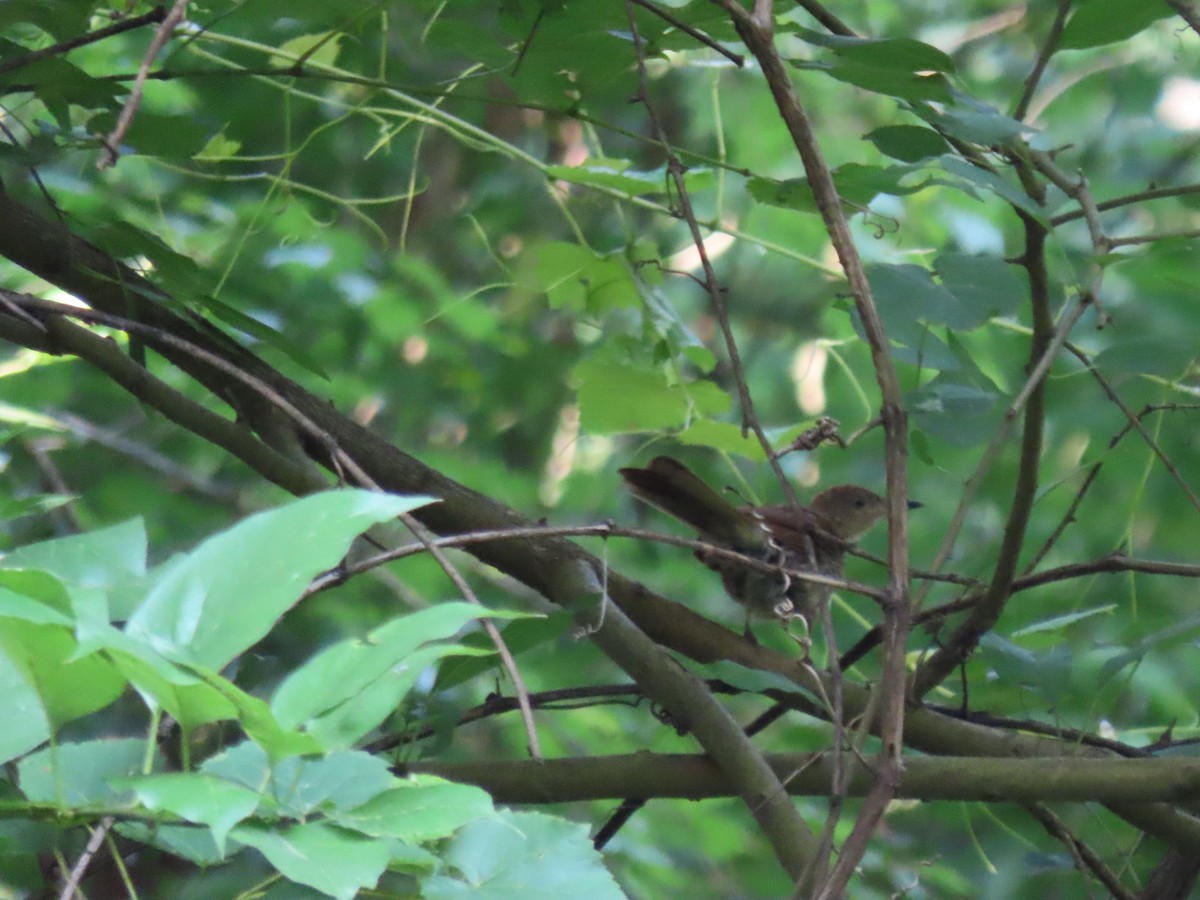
325, 337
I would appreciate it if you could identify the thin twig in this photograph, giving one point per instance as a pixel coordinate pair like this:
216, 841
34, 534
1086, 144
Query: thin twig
716, 294
112, 143
1039, 66
1129, 200
1136, 239
755, 32
20, 62
1187, 12
1086, 859
985, 613
736, 58
99, 831
831, 22
52, 475
339, 575
489, 627
343, 461
1136, 423
992, 452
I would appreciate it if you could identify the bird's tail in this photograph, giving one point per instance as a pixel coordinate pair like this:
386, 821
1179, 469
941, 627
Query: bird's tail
671, 486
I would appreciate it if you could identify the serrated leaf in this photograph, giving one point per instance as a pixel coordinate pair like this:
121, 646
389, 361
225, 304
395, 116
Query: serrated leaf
80, 773
100, 559
575, 278
345, 669
299, 787
332, 860
617, 396
422, 808
194, 797
198, 608
522, 855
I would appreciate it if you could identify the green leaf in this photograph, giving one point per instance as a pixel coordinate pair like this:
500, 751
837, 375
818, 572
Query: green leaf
259, 722
300, 787
60, 85
224, 596
908, 143
618, 396
345, 723
617, 175
724, 436
991, 181
321, 49
522, 855
1059, 623
164, 685
61, 19
1137, 650
575, 278
22, 710
218, 149
1166, 356
983, 285
76, 774
959, 413
32, 504
35, 596
1048, 672
856, 184
188, 842
195, 797
519, 636
898, 54
421, 808
103, 558
272, 337
754, 681
914, 86
1098, 22
345, 670
66, 688
913, 287
157, 135
335, 861
975, 122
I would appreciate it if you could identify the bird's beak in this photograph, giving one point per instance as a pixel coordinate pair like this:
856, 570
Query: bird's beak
915, 504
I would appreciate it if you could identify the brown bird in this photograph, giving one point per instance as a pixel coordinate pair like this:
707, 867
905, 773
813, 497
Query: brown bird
812, 538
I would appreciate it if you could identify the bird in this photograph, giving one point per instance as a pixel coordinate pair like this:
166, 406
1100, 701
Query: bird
811, 538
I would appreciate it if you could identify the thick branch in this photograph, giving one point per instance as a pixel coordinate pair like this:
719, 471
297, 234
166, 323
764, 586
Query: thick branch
986, 612
691, 777
758, 38
558, 569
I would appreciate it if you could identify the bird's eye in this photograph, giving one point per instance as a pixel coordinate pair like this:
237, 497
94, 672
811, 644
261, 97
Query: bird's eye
860, 502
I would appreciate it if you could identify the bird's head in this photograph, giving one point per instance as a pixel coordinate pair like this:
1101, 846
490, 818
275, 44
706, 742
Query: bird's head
850, 511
